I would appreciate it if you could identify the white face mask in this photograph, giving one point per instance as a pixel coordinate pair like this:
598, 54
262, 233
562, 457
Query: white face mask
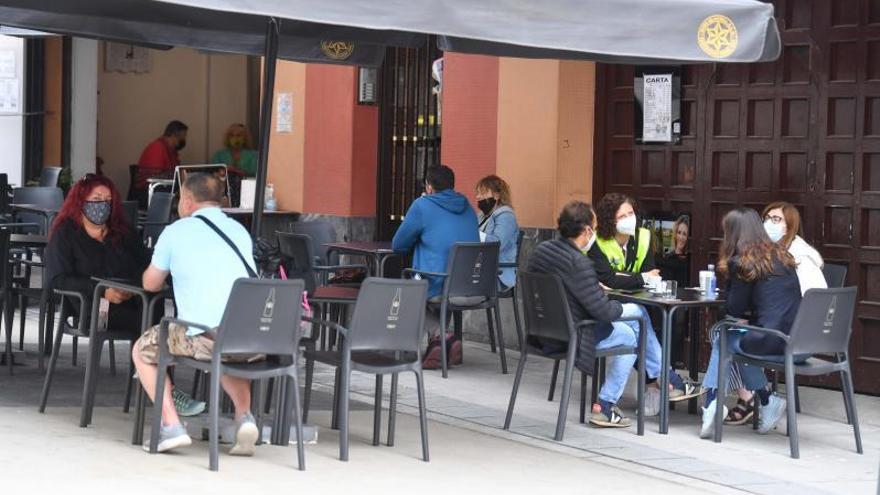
627, 225
775, 231
590, 243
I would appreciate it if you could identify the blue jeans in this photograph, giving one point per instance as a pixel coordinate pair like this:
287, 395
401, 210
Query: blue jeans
752, 376
619, 367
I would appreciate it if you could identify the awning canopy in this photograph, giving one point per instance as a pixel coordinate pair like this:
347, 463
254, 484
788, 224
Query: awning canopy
357, 31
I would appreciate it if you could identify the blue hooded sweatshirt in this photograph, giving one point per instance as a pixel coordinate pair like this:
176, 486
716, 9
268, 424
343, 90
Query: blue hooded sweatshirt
431, 226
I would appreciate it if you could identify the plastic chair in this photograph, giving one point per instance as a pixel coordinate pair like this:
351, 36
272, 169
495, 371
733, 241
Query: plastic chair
262, 317
548, 316
822, 326
158, 216
510, 293
469, 283
48, 198
49, 176
320, 233
385, 337
85, 326
835, 275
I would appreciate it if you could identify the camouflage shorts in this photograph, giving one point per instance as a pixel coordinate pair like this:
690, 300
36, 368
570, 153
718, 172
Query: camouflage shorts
198, 347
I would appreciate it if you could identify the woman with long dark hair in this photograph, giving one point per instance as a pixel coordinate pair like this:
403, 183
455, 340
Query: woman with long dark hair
761, 283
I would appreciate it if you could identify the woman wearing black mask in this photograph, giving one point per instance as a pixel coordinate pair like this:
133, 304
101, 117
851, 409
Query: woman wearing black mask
91, 237
498, 222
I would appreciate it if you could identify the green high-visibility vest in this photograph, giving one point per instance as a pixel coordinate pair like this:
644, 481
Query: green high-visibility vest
617, 259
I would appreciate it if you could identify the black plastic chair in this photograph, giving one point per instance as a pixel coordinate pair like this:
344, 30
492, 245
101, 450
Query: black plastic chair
320, 232
548, 316
469, 283
158, 216
822, 326
48, 198
49, 176
85, 326
510, 293
835, 275
385, 337
261, 317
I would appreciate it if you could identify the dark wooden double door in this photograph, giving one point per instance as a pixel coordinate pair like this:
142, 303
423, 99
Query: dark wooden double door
804, 129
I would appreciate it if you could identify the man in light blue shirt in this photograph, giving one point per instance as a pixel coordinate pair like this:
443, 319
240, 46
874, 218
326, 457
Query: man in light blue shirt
203, 267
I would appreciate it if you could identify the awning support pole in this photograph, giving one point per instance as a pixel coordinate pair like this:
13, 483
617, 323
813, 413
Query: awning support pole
269, 60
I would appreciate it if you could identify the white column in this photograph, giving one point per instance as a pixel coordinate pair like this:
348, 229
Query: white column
84, 107
11, 108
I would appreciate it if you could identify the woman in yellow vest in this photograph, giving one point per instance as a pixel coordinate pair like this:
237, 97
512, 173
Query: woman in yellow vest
622, 253
623, 258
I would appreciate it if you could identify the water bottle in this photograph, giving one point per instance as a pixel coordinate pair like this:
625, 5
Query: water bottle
270, 197
712, 282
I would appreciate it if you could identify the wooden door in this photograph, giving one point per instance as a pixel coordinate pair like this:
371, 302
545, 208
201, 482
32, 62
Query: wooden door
804, 129
409, 133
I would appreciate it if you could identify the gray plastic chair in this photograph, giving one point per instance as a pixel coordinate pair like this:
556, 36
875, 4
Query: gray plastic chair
262, 316
49, 198
835, 275
469, 283
385, 337
548, 316
49, 176
320, 232
822, 326
158, 216
85, 326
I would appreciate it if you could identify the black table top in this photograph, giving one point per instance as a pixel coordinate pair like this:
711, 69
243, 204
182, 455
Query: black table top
362, 247
29, 240
684, 297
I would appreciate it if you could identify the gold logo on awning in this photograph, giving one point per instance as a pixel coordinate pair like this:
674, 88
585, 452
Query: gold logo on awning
337, 50
717, 36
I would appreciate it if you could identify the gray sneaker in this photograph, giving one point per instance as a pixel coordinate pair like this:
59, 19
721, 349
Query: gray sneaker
246, 435
171, 437
186, 405
771, 414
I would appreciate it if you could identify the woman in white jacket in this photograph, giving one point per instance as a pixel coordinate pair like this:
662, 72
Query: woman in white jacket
782, 221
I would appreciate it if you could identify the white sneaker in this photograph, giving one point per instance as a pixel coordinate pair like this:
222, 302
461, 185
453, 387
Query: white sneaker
245, 436
708, 428
652, 401
170, 437
771, 414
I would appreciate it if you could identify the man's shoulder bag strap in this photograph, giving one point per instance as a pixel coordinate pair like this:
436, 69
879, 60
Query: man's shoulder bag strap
226, 238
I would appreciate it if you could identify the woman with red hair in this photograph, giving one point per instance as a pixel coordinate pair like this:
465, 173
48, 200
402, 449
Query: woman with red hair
91, 237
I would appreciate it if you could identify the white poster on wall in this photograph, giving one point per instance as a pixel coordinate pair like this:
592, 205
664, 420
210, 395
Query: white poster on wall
657, 108
284, 113
10, 95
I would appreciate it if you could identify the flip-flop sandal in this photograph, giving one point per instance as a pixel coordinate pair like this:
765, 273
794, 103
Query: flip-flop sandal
741, 413
689, 392
431, 361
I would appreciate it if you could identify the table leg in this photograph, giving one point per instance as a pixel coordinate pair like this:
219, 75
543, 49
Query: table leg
664, 373
694, 360
380, 266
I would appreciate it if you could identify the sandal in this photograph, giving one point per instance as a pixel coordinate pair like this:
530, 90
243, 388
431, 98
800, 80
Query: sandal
431, 361
741, 413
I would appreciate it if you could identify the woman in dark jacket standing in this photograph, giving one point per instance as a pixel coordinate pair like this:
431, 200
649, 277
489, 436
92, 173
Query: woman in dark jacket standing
762, 283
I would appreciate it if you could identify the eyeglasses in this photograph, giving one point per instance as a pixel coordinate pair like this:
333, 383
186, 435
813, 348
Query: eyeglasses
774, 218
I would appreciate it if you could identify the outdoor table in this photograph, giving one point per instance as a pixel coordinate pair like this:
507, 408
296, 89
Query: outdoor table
28, 240
377, 251
685, 298
47, 213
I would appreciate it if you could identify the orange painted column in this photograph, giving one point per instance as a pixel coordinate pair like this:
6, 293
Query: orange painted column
341, 140
470, 118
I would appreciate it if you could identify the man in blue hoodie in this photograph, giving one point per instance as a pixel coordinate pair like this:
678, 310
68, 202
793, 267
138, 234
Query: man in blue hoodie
433, 223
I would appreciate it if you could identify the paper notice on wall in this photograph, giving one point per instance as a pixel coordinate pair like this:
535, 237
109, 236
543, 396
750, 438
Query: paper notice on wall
248, 192
657, 108
284, 113
7, 63
10, 95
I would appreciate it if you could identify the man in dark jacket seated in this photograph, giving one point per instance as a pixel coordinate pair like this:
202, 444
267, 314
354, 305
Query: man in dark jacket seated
565, 257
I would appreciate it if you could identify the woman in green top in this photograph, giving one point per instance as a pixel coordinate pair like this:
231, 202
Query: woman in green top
240, 159
238, 153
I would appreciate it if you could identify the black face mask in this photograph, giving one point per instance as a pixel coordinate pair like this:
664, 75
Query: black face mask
181, 144
486, 205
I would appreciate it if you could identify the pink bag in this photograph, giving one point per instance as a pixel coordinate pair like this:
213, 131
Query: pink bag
307, 310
